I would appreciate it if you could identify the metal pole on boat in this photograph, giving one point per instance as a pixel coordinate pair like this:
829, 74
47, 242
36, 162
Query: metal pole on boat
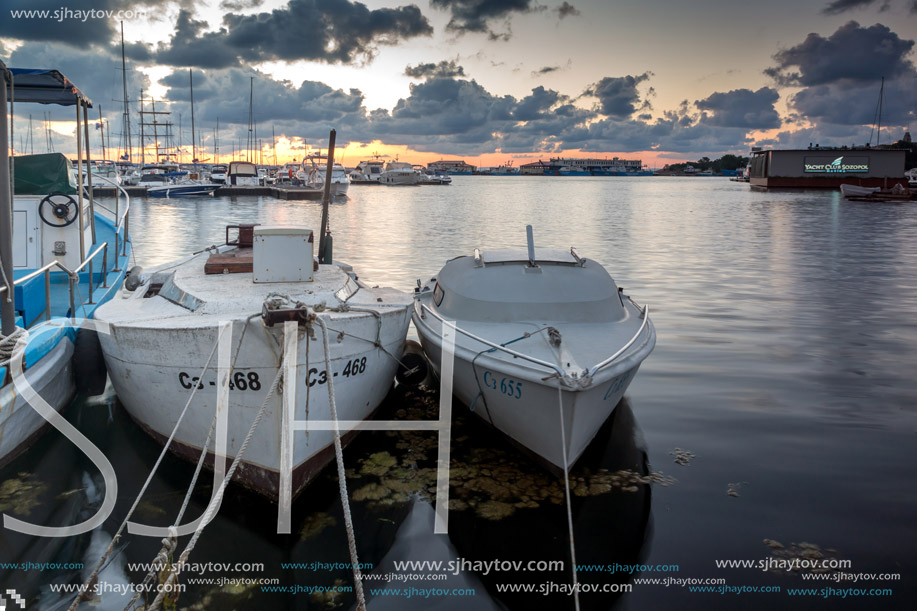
92, 211
79, 180
7, 306
326, 200
530, 238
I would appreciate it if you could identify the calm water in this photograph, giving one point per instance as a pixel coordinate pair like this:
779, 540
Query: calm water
785, 364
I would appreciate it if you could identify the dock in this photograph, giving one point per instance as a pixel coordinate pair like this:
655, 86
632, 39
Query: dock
287, 192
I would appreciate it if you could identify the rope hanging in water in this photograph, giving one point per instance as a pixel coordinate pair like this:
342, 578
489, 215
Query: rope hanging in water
563, 441
342, 477
95, 572
168, 585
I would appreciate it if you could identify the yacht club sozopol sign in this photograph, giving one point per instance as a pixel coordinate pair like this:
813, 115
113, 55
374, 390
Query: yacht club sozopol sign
824, 165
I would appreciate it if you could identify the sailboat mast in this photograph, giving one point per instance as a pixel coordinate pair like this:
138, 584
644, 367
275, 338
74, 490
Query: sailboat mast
193, 144
126, 124
881, 96
102, 130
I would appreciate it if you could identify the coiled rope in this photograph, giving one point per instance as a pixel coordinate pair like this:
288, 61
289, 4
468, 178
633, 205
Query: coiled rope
8, 344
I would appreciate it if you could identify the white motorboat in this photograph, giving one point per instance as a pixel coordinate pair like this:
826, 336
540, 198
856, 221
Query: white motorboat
218, 174
368, 170
104, 174
242, 174
858, 191
314, 171
536, 330
400, 173
163, 331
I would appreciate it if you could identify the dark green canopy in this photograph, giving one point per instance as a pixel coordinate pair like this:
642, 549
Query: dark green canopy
43, 174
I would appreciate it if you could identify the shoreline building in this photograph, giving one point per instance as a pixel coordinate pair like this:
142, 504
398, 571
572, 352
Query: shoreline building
827, 168
570, 166
451, 167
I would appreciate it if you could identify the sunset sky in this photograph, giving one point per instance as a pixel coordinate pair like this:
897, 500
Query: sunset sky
487, 81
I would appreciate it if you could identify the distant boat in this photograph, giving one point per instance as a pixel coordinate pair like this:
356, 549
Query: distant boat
400, 173
243, 174
858, 191
182, 189
314, 170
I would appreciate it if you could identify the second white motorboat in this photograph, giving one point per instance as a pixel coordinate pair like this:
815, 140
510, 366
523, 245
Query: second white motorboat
167, 324
538, 333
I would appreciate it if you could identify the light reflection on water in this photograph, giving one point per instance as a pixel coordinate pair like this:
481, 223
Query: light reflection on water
785, 358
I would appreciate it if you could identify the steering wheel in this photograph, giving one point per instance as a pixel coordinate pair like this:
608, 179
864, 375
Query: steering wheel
63, 210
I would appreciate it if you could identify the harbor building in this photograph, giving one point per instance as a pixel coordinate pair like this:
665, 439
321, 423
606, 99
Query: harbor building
827, 168
451, 167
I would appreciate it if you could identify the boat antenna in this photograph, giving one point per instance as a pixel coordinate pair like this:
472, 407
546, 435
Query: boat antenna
324, 240
530, 238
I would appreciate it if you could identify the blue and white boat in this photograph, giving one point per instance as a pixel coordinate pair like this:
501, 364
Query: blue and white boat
182, 189
60, 259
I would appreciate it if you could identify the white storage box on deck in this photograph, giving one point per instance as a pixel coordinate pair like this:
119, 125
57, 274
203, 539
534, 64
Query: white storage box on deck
282, 254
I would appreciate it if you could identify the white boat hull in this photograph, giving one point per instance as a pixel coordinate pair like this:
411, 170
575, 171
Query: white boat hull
52, 379
529, 414
857, 191
153, 371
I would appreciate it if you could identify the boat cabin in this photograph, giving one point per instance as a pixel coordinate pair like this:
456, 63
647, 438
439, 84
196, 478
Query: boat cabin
508, 285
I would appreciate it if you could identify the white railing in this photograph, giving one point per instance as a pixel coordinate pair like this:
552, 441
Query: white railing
73, 280
120, 223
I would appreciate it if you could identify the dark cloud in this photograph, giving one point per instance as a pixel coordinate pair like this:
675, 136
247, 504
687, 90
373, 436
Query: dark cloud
852, 53
741, 108
567, 10
857, 104
476, 15
841, 75
537, 104
444, 68
240, 5
70, 24
618, 96
225, 94
96, 74
836, 7
333, 31
545, 70
841, 6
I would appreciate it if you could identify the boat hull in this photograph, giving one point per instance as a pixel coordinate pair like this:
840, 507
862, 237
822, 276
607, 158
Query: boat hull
154, 371
52, 379
530, 416
181, 190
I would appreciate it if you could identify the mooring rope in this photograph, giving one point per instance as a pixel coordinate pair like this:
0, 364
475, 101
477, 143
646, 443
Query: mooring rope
8, 345
563, 441
170, 543
167, 586
342, 477
95, 572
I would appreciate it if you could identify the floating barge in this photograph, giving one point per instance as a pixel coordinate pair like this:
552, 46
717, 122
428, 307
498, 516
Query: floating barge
827, 168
